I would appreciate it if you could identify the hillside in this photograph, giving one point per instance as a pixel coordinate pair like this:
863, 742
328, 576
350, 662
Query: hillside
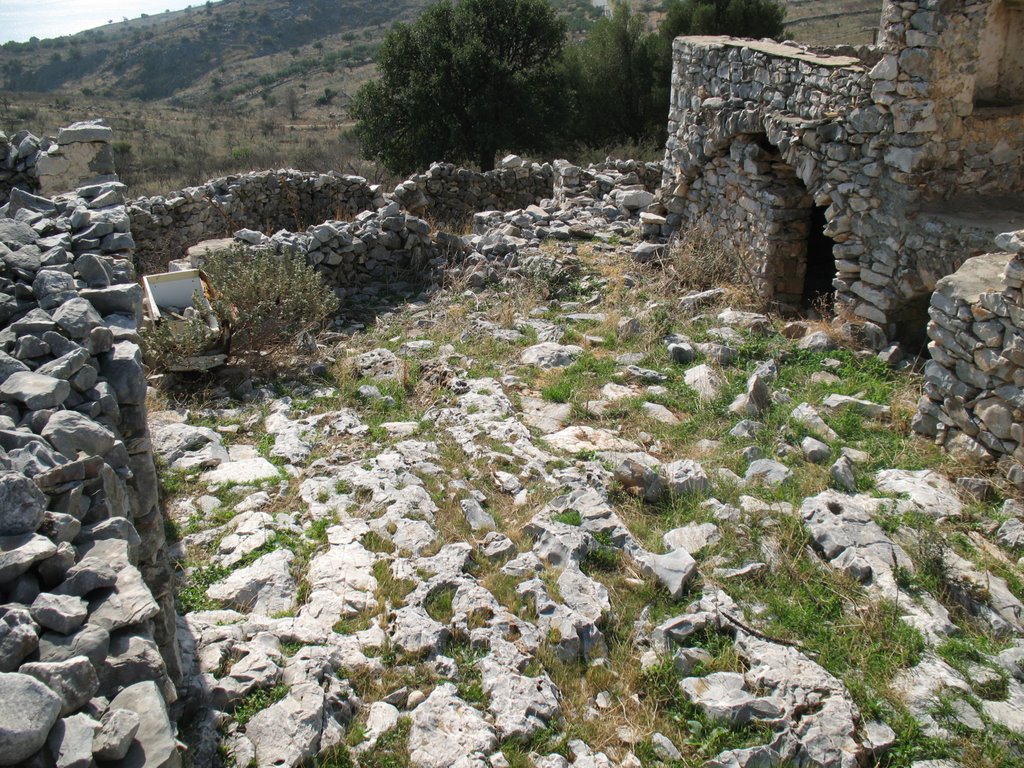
235, 51
242, 50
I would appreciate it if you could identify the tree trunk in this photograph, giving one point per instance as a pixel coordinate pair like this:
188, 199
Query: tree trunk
487, 160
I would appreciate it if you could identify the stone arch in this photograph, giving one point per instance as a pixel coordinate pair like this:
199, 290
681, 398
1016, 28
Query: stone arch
755, 197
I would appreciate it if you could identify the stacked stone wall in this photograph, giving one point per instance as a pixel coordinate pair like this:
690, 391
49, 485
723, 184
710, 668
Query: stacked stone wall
166, 226
973, 402
87, 624
380, 251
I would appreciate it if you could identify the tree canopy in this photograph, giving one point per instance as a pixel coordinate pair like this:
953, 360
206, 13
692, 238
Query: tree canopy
462, 82
740, 18
621, 73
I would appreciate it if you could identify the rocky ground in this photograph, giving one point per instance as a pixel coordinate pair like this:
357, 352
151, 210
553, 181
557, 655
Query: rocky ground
581, 518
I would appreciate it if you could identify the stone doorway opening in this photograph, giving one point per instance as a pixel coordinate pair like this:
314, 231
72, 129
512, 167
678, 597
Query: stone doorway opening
800, 264
820, 270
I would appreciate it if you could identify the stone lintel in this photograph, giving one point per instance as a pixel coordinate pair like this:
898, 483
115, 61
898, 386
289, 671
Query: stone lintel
772, 48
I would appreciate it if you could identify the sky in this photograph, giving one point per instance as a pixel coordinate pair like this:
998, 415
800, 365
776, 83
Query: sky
22, 19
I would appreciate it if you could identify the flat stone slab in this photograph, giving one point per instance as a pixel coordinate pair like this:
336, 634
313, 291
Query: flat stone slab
774, 49
982, 274
578, 438
244, 471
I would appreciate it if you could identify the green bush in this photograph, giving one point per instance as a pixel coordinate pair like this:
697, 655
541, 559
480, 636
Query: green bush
261, 300
265, 300
169, 344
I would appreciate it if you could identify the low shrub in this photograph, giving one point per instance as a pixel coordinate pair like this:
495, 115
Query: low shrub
263, 301
266, 300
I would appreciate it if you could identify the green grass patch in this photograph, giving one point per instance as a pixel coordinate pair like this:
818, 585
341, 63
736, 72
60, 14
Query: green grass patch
193, 597
438, 604
257, 701
568, 517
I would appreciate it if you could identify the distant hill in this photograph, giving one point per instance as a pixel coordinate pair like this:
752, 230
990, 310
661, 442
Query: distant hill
212, 52
233, 51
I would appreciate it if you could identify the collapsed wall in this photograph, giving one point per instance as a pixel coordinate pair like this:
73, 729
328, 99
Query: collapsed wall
80, 154
973, 401
88, 659
875, 149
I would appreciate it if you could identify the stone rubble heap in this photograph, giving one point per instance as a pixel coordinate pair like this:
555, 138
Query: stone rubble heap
972, 402
88, 660
598, 181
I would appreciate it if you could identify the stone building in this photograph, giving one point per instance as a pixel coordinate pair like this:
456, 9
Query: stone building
872, 172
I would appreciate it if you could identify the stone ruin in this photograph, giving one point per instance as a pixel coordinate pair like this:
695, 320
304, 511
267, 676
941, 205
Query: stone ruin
873, 171
875, 148
80, 154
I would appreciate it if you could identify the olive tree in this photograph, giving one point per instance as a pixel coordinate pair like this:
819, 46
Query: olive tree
461, 82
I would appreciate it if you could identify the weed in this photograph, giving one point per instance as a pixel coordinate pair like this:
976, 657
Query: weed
193, 597
390, 590
603, 556
257, 701
438, 604
568, 517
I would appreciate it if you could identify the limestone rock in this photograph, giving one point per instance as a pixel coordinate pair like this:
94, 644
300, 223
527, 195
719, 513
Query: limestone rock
929, 491
685, 476
265, 587
723, 698
24, 727
287, 733
705, 380
154, 745
117, 731
446, 730
22, 504
579, 439
70, 432
548, 354
34, 390
692, 537
242, 472
70, 742
767, 472
74, 680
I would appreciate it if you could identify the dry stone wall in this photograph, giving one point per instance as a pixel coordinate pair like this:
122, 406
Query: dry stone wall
973, 402
450, 195
165, 226
877, 136
386, 250
87, 644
